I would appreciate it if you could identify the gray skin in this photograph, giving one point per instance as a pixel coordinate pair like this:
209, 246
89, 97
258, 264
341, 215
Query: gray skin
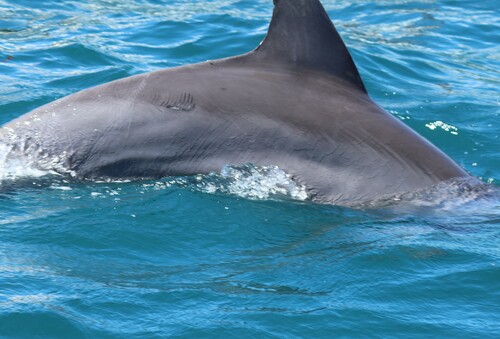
297, 102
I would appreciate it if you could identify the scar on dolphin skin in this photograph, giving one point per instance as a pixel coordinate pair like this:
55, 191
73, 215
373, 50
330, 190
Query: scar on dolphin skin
180, 102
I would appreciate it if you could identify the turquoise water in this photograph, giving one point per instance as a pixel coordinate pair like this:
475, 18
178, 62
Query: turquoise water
213, 257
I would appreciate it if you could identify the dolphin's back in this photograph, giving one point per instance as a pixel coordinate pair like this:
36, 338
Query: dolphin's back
297, 101
197, 119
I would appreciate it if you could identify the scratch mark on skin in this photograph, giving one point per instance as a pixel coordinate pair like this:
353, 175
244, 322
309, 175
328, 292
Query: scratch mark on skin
181, 102
329, 154
184, 102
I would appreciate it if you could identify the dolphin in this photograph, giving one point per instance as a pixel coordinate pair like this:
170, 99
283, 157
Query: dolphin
297, 101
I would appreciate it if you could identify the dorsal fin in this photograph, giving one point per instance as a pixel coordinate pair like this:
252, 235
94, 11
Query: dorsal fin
302, 34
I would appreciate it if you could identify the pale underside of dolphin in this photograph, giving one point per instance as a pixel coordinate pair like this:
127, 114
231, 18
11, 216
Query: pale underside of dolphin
297, 102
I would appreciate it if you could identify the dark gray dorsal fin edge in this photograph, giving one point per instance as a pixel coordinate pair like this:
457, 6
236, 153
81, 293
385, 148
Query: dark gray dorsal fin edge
302, 34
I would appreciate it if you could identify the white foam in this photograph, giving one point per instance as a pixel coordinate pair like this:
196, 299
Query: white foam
247, 181
14, 166
261, 182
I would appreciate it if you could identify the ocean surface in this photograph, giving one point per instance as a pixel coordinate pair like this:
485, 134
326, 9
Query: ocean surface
241, 253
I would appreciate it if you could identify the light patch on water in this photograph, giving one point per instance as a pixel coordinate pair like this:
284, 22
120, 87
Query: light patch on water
444, 126
61, 188
29, 299
16, 220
